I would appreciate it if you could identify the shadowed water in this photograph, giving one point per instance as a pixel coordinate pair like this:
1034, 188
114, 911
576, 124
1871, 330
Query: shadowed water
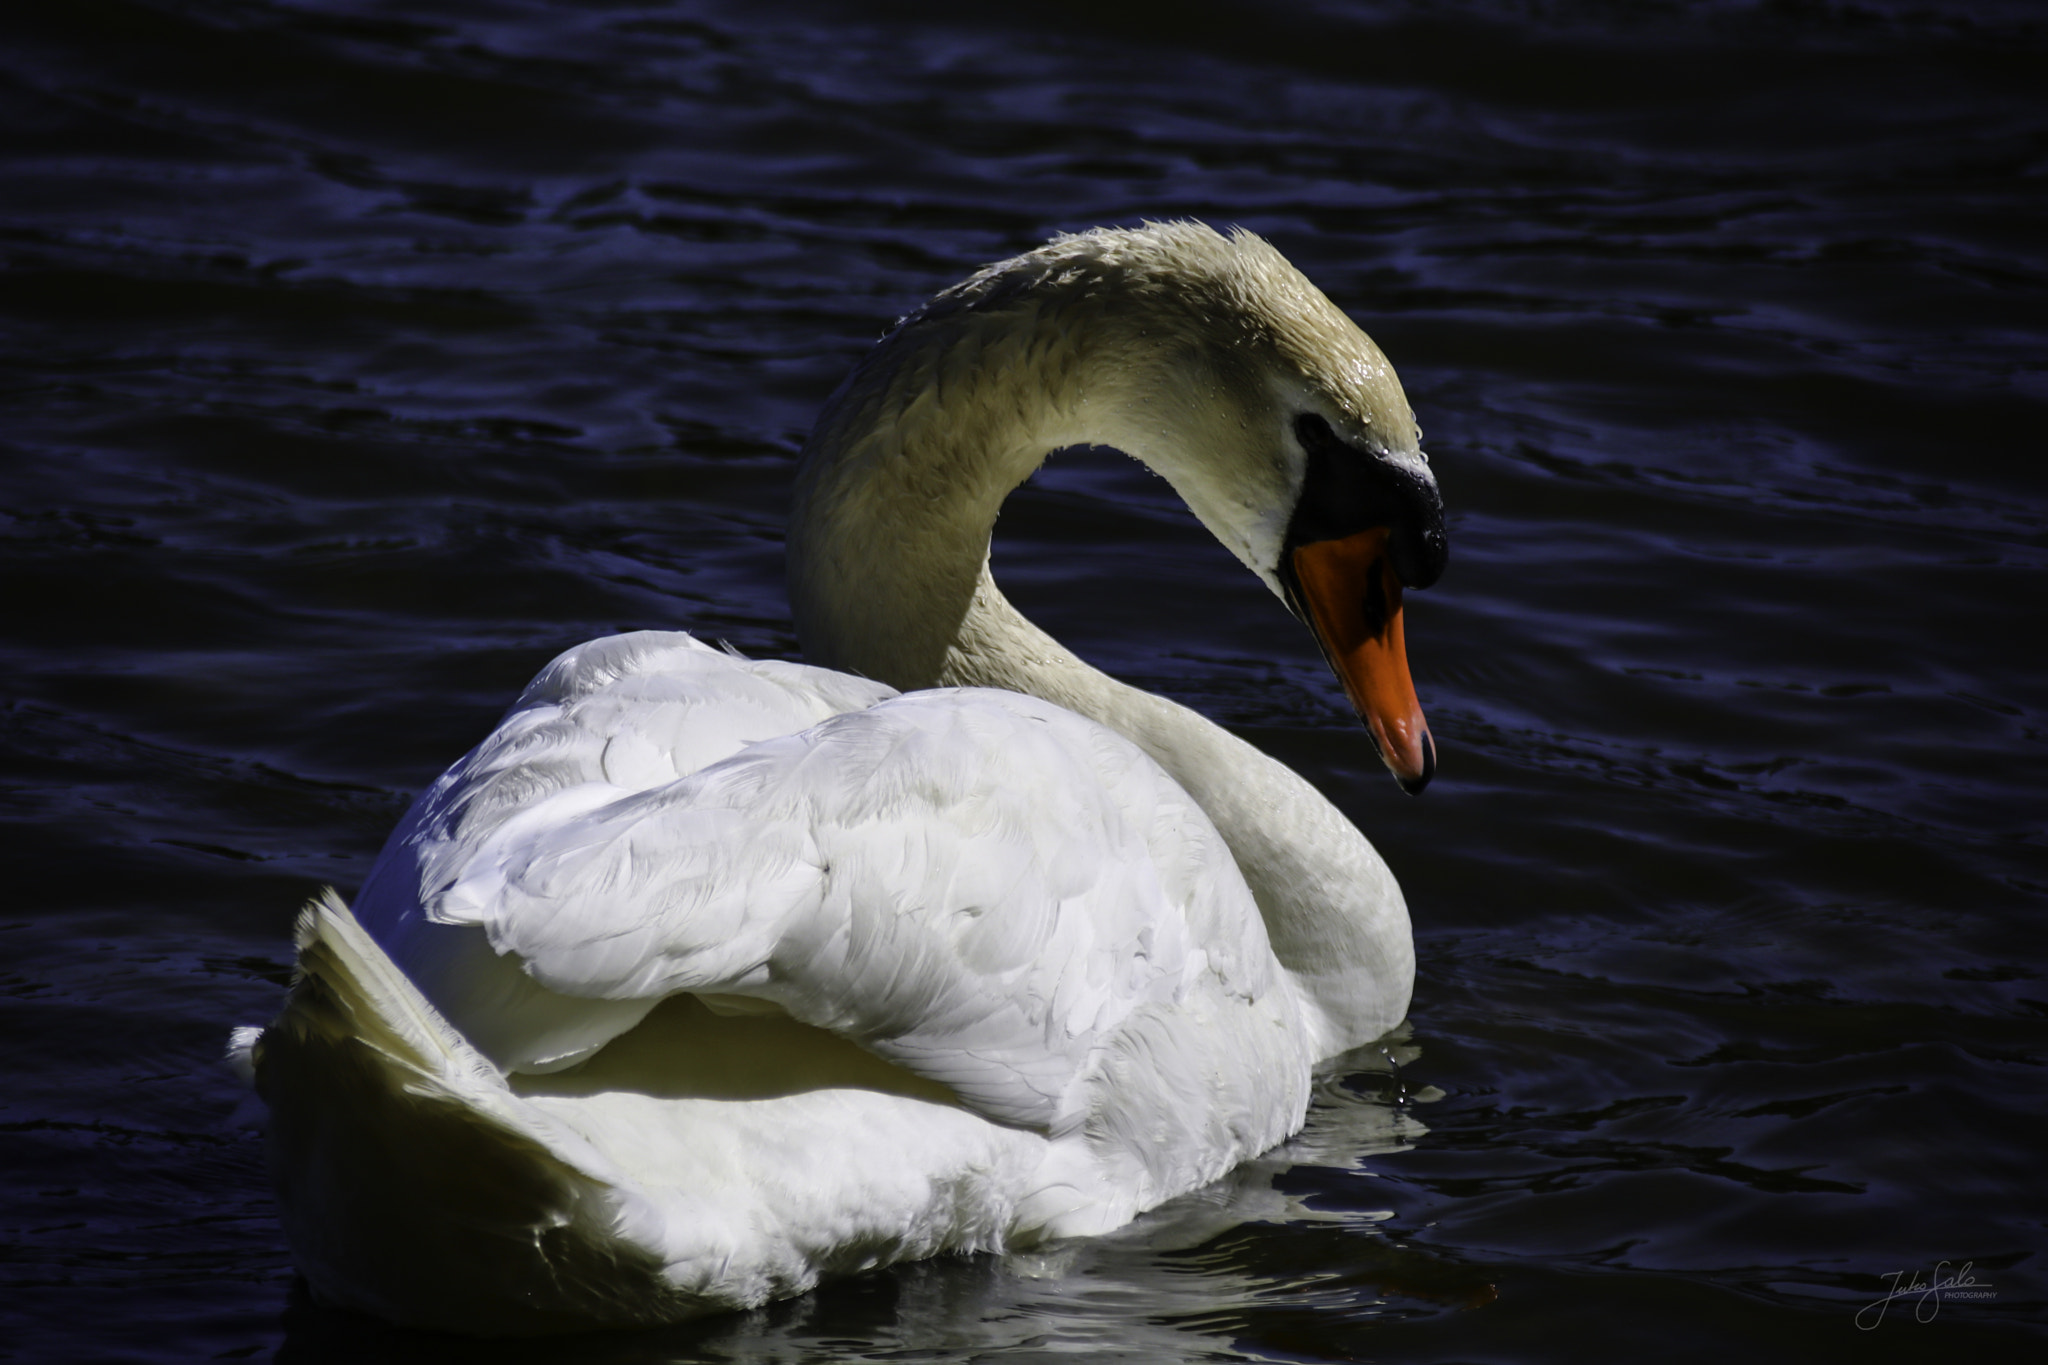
357, 358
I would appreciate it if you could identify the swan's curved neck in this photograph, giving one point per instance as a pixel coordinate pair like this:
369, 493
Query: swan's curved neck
896, 499
912, 458
898, 494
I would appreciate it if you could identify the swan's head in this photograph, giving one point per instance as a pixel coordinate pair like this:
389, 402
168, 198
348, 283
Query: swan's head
1366, 524
1285, 429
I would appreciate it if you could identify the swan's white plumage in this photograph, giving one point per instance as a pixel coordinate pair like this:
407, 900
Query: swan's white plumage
1080, 985
703, 977
845, 872
607, 719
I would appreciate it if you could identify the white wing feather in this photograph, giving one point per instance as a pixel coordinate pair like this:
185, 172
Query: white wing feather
892, 875
991, 893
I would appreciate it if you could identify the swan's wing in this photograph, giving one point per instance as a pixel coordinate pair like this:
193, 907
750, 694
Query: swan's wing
607, 719
986, 890
627, 713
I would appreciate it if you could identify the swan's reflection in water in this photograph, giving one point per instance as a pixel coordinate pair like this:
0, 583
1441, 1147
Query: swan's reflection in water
1177, 1284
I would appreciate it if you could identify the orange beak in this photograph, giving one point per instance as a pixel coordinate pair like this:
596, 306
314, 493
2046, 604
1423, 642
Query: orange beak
1353, 601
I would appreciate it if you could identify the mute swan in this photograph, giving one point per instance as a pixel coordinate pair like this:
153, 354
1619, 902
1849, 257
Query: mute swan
701, 978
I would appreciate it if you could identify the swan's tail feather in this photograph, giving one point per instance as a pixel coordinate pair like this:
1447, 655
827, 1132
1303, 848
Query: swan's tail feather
414, 1184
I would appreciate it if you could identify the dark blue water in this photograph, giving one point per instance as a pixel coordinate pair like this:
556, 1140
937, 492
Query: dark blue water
355, 358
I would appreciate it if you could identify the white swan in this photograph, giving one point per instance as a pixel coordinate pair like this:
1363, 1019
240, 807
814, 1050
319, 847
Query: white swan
700, 977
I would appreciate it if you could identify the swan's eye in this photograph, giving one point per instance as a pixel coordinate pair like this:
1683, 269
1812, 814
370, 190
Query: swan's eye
1315, 435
